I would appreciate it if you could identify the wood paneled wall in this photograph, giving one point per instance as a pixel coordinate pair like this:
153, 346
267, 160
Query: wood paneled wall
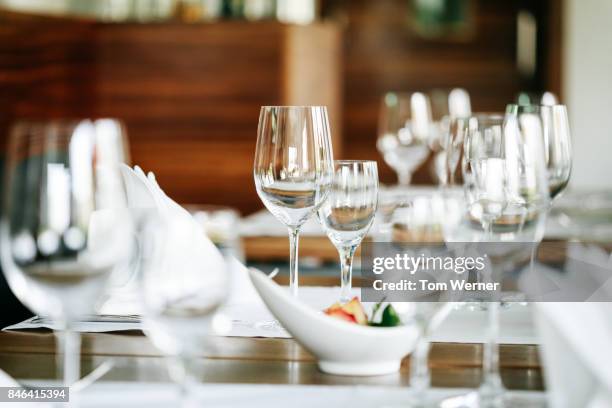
188, 94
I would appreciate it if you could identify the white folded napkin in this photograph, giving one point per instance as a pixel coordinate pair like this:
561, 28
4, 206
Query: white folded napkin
576, 339
185, 244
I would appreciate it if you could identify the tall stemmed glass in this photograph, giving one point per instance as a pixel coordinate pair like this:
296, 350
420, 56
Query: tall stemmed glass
181, 299
557, 148
293, 167
348, 212
65, 224
557, 143
404, 129
447, 107
506, 188
483, 168
457, 129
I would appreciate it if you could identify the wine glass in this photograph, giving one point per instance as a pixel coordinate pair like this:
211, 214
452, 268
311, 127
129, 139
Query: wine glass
483, 169
348, 212
417, 226
293, 168
557, 143
404, 130
457, 129
506, 185
447, 106
65, 226
181, 295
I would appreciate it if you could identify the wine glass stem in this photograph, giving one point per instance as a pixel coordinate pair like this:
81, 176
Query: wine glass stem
69, 355
346, 272
491, 384
419, 367
404, 178
488, 230
294, 238
180, 373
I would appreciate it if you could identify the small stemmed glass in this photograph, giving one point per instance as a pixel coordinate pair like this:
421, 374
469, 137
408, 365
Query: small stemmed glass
348, 212
293, 168
404, 130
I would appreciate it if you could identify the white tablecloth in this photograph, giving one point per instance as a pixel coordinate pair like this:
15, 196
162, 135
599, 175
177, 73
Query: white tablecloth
461, 326
121, 394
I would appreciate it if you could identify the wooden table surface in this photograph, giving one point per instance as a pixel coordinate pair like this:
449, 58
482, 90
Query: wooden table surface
30, 355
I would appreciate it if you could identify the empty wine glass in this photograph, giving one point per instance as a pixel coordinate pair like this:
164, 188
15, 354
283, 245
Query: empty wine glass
457, 129
293, 168
483, 169
65, 225
447, 106
557, 143
506, 187
181, 295
404, 130
348, 212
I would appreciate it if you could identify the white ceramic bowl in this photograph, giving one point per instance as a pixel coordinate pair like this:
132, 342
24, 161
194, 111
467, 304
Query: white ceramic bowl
341, 348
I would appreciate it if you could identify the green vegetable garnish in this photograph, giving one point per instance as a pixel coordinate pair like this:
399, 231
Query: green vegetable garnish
389, 317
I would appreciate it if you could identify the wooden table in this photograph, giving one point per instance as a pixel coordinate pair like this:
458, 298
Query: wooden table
30, 355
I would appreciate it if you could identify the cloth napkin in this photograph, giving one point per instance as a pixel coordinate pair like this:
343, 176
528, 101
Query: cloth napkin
576, 339
185, 244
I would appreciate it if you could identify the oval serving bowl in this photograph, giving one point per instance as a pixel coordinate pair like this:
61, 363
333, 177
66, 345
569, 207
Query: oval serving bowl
341, 348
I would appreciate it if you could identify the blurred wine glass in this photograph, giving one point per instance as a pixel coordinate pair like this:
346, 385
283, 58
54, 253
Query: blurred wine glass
457, 129
348, 212
181, 299
447, 107
293, 167
483, 169
65, 226
506, 185
557, 143
417, 230
404, 131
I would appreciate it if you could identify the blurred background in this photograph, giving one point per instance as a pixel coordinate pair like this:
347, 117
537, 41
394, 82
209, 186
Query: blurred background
188, 77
